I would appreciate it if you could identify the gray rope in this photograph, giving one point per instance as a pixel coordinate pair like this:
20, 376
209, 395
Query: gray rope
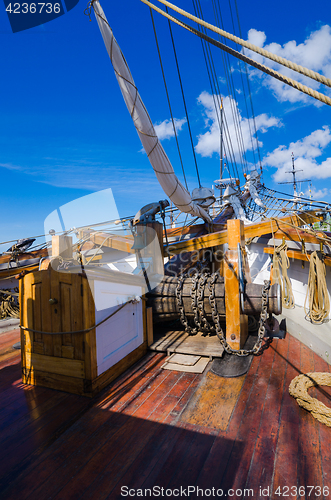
77, 331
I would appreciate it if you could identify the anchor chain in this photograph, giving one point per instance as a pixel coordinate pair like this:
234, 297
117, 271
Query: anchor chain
201, 292
180, 305
263, 317
194, 303
197, 298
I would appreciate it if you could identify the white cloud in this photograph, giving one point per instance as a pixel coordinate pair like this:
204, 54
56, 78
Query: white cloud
314, 53
305, 151
165, 129
317, 194
10, 166
209, 142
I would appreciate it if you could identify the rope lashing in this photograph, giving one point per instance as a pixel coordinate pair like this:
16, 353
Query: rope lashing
281, 264
275, 74
299, 390
317, 291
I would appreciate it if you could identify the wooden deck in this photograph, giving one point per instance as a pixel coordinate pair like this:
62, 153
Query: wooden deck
139, 433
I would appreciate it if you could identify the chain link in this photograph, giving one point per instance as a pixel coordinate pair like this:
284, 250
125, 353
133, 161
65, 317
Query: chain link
194, 303
219, 332
180, 305
197, 298
201, 293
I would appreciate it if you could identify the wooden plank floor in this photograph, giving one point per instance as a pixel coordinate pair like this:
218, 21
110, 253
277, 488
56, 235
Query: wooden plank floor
135, 435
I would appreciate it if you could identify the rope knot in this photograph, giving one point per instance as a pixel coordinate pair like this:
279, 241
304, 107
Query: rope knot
87, 11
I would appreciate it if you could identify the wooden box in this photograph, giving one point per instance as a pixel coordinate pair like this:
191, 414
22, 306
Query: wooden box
80, 363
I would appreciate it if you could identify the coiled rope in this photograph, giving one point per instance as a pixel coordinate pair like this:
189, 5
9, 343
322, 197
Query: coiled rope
9, 307
299, 390
317, 291
281, 264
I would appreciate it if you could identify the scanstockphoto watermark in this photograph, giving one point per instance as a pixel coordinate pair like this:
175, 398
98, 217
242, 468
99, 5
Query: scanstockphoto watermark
187, 491
28, 14
260, 492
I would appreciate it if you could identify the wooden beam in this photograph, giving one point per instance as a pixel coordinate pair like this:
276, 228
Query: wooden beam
197, 228
123, 243
293, 234
236, 321
251, 231
295, 254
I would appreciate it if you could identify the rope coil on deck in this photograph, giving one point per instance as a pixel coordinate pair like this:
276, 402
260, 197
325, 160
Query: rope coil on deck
299, 390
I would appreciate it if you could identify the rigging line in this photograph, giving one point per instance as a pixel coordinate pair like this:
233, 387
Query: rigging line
235, 111
228, 138
231, 92
302, 198
250, 96
215, 96
280, 60
184, 102
262, 67
168, 98
243, 87
218, 92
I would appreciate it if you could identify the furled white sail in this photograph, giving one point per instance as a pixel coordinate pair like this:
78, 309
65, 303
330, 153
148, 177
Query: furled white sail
155, 152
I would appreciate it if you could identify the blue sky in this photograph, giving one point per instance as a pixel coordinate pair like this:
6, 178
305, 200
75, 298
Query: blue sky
65, 131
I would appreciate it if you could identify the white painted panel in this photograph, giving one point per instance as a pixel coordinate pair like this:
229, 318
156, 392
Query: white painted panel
123, 332
259, 264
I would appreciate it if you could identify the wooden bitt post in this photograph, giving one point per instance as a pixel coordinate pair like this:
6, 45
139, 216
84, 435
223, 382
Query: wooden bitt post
150, 237
62, 246
236, 322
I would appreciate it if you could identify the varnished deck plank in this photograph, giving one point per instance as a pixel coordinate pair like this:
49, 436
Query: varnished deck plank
67, 447
248, 433
309, 465
262, 464
286, 456
214, 401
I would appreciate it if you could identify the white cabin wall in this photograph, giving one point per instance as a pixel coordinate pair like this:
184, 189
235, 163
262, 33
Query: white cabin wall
123, 332
260, 264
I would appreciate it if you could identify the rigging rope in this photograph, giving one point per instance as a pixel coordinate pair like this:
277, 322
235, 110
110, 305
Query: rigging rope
216, 94
262, 67
280, 60
184, 102
79, 331
250, 98
168, 98
317, 291
234, 108
281, 264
